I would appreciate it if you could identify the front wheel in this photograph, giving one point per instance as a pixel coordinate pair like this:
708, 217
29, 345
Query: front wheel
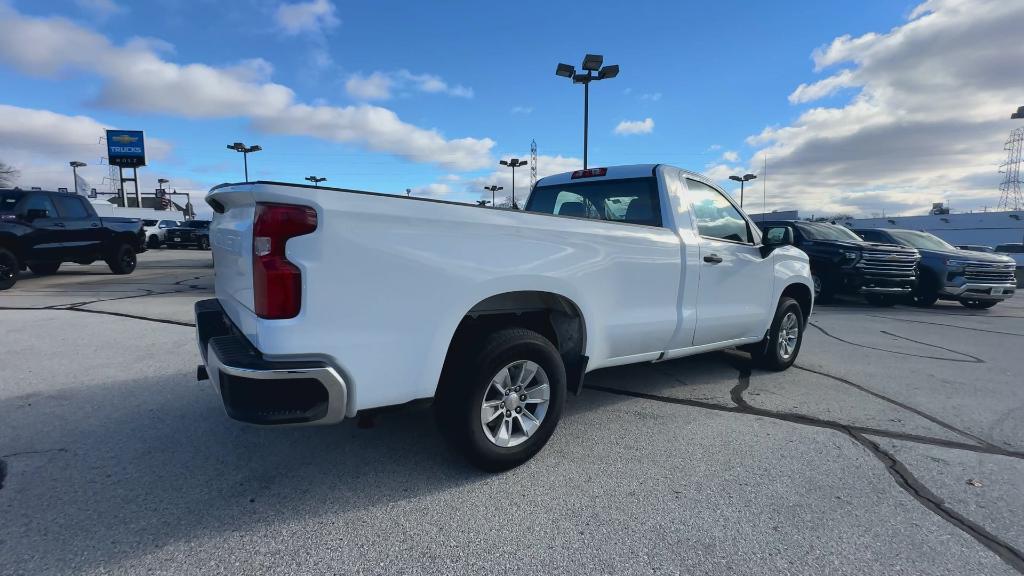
153, 242
978, 304
8, 269
499, 405
880, 300
781, 345
122, 259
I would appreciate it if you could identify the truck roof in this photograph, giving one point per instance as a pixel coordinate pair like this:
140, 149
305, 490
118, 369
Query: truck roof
621, 172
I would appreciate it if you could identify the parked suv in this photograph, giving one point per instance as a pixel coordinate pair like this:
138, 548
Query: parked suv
975, 279
192, 233
842, 262
156, 231
1015, 251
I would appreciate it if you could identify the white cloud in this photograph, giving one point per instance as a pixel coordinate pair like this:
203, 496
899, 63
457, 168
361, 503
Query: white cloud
315, 16
645, 126
376, 86
380, 85
927, 118
730, 156
140, 80
651, 96
436, 190
524, 110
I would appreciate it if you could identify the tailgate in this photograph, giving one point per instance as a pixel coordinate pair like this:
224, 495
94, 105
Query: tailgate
231, 240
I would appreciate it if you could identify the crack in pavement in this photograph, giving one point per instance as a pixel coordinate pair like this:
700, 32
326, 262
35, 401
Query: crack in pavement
900, 473
972, 359
946, 325
104, 312
3, 472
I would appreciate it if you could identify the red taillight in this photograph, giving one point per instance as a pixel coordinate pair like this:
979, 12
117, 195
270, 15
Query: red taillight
589, 173
276, 282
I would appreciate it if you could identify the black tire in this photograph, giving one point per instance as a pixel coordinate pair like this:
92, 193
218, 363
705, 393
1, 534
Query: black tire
43, 268
978, 304
8, 269
203, 244
122, 259
467, 383
153, 242
924, 299
769, 353
880, 300
823, 289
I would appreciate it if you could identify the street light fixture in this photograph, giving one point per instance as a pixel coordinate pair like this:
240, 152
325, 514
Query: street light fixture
316, 180
742, 181
591, 63
75, 165
1018, 115
245, 150
514, 163
494, 188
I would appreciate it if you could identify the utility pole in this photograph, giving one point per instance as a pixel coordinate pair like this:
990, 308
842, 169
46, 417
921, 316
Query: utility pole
591, 63
245, 150
514, 163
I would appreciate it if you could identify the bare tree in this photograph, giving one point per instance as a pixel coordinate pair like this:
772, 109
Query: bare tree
8, 174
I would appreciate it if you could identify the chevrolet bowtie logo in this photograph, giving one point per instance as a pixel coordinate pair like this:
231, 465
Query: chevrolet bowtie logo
125, 139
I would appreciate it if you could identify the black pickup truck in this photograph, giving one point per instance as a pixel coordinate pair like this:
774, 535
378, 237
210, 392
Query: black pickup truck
39, 230
842, 262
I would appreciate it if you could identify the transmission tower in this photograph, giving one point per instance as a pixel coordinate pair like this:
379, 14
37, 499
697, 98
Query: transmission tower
532, 165
1010, 197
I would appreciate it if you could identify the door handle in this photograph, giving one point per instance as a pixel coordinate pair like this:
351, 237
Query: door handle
59, 224
713, 259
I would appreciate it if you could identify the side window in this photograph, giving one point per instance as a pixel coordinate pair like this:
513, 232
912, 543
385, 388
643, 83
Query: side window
716, 216
71, 207
38, 202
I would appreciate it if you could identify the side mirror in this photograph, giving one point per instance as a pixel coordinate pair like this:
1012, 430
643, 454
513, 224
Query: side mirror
36, 213
774, 237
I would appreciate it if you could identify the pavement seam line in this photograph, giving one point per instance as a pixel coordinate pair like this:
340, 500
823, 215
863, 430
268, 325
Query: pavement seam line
973, 359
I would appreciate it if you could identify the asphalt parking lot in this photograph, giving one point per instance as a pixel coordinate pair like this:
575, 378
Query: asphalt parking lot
896, 445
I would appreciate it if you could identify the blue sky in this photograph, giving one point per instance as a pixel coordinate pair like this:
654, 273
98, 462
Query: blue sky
393, 95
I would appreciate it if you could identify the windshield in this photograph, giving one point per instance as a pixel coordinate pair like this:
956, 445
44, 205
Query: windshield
198, 224
822, 231
8, 200
1010, 248
633, 200
922, 240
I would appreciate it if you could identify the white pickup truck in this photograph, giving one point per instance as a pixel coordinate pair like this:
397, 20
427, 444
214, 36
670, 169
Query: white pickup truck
331, 302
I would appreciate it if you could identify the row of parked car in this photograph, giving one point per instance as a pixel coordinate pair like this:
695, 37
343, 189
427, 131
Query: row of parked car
889, 266
177, 234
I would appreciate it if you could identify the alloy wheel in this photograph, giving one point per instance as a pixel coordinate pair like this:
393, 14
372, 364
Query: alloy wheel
515, 403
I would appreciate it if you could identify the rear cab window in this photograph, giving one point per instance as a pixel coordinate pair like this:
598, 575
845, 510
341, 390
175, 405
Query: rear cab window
629, 200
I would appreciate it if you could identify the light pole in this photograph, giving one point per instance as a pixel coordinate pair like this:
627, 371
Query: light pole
245, 150
591, 63
514, 163
75, 165
494, 188
742, 180
316, 180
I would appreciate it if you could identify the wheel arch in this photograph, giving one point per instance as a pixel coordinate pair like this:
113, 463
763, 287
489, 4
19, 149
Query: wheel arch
802, 294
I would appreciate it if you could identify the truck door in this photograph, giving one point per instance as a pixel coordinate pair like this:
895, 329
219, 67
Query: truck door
43, 241
735, 286
82, 234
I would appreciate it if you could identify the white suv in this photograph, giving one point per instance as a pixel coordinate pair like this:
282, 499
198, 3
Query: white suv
156, 231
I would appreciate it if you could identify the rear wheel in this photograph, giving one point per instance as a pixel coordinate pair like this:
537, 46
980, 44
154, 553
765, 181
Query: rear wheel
122, 259
8, 269
499, 404
781, 345
881, 300
204, 244
153, 242
823, 289
43, 268
979, 304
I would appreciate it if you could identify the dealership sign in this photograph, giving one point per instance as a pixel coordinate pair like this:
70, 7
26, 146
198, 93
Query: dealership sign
126, 148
